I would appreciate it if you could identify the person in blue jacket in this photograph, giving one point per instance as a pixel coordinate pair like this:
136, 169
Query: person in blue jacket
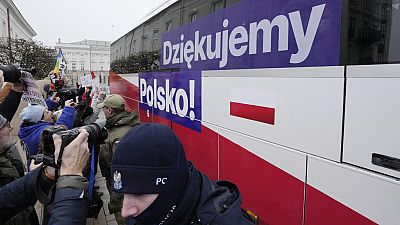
161, 187
36, 118
70, 204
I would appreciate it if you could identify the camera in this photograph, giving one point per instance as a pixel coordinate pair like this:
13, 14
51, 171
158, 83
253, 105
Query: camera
11, 73
97, 134
65, 95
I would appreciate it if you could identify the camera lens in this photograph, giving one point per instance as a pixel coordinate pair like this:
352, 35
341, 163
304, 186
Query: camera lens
97, 132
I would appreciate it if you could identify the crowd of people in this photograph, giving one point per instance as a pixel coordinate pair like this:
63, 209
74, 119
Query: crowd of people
148, 177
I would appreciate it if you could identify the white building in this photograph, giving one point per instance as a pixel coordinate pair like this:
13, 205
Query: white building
85, 56
12, 23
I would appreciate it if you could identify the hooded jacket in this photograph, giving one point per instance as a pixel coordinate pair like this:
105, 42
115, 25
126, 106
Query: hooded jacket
117, 127
204, 202
30, 133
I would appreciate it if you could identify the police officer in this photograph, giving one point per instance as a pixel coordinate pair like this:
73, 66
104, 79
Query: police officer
161, 187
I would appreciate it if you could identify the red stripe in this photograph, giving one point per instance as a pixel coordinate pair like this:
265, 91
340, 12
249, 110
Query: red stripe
253, 112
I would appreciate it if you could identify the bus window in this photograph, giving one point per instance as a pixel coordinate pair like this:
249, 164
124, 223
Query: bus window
373, 32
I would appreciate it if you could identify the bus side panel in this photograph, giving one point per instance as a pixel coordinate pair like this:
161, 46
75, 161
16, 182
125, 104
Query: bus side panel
201, 148
299, 108
342, 194
126, 86
275, 193
372, 120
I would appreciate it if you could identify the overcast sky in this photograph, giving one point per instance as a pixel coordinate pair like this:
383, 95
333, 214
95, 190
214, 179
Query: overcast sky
75, 20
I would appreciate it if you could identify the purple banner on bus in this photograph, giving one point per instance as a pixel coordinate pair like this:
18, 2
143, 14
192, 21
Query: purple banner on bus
258, 34
174, 96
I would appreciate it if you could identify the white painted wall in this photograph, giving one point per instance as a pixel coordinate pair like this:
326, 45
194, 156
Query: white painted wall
19, 27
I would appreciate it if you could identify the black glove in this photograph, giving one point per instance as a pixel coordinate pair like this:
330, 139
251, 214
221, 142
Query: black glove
11, 73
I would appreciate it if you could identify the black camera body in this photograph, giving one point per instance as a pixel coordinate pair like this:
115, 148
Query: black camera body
63, 94
97, 135
11, 73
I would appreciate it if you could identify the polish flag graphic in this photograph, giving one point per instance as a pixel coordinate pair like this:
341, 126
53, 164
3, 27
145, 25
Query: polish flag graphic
253, 105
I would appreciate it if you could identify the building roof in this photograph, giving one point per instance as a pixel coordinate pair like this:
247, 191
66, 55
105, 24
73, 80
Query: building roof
149, 15
86, 42
19, 17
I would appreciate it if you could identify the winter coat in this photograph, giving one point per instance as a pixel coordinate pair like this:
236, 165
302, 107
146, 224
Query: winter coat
218, 203
51, 106
69, 207
10, 104
117, 127
205, 202
30, 133
9, 173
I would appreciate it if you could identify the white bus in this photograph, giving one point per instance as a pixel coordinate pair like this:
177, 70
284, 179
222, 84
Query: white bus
296, 102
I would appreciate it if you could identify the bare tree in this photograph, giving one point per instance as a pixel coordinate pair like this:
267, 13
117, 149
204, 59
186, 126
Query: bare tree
141, 61
28, 54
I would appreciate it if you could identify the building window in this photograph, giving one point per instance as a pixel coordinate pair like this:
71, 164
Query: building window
216, 5
383, 29
354, 2
352, 27
193, 16
73, 66
168, 25
102, 68
349, 48
134, 46
368, 5
144, 43
4, 29
155, 40
82, 66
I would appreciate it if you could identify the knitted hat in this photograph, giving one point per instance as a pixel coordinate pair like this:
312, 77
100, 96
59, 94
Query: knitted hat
32, 113
3, 121
149, 159
113, 101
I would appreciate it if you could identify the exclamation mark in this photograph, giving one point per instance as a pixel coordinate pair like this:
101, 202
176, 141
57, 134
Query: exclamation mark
191, 99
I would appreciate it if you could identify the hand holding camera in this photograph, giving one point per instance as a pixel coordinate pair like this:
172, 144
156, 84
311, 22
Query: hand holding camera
70, 103
75, 154
54, 97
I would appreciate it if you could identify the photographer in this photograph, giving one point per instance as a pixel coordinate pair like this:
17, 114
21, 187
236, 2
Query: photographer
11, 165
70, 204
36, 118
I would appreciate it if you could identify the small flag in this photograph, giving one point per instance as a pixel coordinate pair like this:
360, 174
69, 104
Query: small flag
93, 76
60, 63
